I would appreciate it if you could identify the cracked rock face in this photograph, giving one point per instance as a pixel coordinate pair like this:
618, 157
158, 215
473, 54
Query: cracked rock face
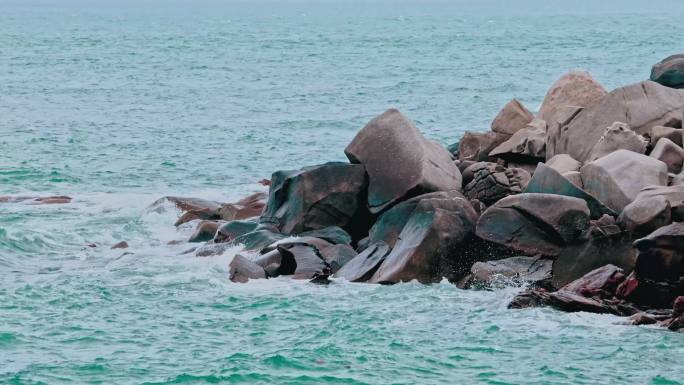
618, 136
641, 106
400, 161
514, 269
575, 88
491, 182
535, 224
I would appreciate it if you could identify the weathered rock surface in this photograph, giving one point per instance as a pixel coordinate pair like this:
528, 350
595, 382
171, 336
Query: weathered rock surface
400, 162
644, 216
617, 178
513, 117
669, 153
233, 229
316, 197
528, 143
362, 267
575, 177
248, 207
575, 88
563, 163
490, 182
602, 282
546, 180
556, 126
535, 224
433, 234
517, 270
618, 136
641, 106
670, 71
242, 270
308, 262
476, 146
205, 231
658, 132
673, 194
661, 253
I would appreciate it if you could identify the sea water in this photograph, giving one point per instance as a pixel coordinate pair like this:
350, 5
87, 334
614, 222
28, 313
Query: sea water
120, 103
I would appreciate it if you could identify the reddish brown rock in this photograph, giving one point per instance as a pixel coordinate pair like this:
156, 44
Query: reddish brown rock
661, 254
658, 132
248, 207
513, 117
602, 282
576, 88
242, 270
563, 163
526, 144
476, 146
362, 267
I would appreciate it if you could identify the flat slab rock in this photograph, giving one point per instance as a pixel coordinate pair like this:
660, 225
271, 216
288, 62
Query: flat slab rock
400, 161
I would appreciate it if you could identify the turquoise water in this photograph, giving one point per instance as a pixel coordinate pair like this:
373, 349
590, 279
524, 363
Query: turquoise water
118, 104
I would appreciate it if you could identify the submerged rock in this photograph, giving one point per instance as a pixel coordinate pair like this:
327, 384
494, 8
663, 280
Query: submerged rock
400, 162
517, 270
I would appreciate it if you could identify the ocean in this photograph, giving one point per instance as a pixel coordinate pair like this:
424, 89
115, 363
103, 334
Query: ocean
118, 103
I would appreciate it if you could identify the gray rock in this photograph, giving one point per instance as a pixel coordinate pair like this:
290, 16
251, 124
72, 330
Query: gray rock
669, 153
233, 229
362, 267
618, 136
528, 142
670, 71
644, 216
400, 162
517, 270
617, 178
661, 254
554, 127
492, 182
512, 118
576, 88
205, 231
563, 163
242, 270
575, 177
673, 194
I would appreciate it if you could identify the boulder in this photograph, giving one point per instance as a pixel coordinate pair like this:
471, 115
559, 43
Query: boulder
336, 256
307, 260
120, 245
517, 270
362, 267
669, 153
205, 231
433, 235
601, 282
641, 106
258, 239
185, 204
661, 253
490, 182
673, 194
617, 178
512, 118
669, 72
526, 143
575, 177
554, 127
547, 180
400, 162
575, 88
575, 261
563, 163
233, 229
650, 293
316, 197
644, 216
248, 207
535, 224
618, 136
242, 270
476, 146
658, 132
571, 302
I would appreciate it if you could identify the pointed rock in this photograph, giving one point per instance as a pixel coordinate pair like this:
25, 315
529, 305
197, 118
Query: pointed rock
512, 118
242, 270
575, 88
476, 146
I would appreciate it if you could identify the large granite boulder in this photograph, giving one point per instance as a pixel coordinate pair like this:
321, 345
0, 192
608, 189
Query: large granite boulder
535, 224
555, 127
432, 236
563, 163
476, 146
400, 162
669, 153
362, 267
528, 143
641, 106
618, 136
644, 216
617, 178
669, 72
316, 197
575, 88
673, 194
490, 182
661, 253
512, 118
547, 180
658, 132
516, 270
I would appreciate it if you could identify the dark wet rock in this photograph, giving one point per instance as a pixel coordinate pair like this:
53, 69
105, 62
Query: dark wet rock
601, 282
563, 163
316, 197
649, 293
242, 270
535, 224
555, 127
257, 239
517, 270
576, 88
362, 267
618, 136
476, 146
571, 302
248, 207
644, 216
400, 162
642, 319
661, 253
205, 231
659, 132
527, 144
308, 261
185, 204
337, 256
670, 71
546, 180
286, 242
333, 234
641, 106
492, 182
533, 297
669, 153
120, 245
433, 234
513, 117
272, 262
617, 178
575, 261
233, 229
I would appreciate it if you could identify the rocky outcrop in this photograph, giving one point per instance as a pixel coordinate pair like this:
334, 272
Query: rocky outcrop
618, 136
476, 146
661, 253
670, 71
248, 207
400, 162
228, 231
490, 182
617, 178
242, 270
527, 144
669, 153
512, 118
641, 106
575, 88
555, 128
644, 216
535, 224
362, 267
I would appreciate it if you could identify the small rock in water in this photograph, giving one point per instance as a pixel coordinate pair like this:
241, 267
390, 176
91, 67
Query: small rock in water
120, 245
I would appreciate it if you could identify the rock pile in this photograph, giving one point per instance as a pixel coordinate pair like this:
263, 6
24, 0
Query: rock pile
585, 200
